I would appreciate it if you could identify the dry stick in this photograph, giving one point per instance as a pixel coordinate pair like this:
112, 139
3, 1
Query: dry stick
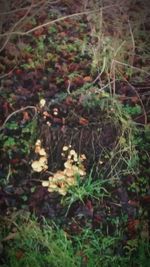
24, 8
127, 65
38, 11
6, 74
18, 111
54, 21
15, 25
133, 43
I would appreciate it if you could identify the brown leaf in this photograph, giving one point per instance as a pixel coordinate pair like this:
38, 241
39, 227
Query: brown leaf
39, 32
19, 254
87, 79
134, 99
133, 203
69, 101
83, 121
133, 226
26, 116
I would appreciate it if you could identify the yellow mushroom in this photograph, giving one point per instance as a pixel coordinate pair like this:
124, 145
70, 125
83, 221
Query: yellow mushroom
36, 166
45, 183
42, 152
65, 148
42, 103
62, 191
69, 172
68, 164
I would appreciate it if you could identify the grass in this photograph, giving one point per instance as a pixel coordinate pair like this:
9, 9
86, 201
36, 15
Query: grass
41, 245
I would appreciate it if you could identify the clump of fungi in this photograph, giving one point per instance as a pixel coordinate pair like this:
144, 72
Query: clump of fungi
41, 164
73, 166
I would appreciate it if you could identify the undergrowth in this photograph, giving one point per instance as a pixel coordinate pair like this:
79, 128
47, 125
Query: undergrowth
27, 242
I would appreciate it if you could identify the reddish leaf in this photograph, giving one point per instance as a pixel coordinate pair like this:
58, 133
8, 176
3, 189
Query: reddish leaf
14, 161
69, 101
62, 34
134, 99
47, 115
39, 32
133, 226
133, 203
19, 254
26, 116
78, 80
18, 71
87, 79
83, 121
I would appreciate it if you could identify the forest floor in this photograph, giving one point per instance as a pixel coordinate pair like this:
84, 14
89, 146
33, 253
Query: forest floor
75, 128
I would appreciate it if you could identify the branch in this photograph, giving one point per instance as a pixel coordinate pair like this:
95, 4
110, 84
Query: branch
54, 21
18, 111
14, 26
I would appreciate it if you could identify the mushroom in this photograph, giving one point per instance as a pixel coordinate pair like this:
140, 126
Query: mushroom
62, 191
42, 152
36, 166
69, 172
65, 148
45, 183
42, 103
67, 165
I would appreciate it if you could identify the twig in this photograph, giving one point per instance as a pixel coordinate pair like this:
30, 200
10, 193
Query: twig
6, 74
68, 88
127, 65
15, 112
14, 26
54, 21
24, 8
133, 42
9, 173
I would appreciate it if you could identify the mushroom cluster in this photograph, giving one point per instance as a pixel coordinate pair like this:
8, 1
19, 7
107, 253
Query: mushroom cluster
41, 164
73, 166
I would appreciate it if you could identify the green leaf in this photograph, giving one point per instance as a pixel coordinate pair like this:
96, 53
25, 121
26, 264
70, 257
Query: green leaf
10, 142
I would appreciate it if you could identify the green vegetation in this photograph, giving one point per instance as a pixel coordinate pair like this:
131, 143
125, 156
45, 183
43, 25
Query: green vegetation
33, 245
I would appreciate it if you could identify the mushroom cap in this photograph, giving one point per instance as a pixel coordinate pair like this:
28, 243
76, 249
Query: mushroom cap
36, 166
43, 160
65, 148
53, 186
83, 157
71, 181
73, 153
45, 183
59, 175
68, 164
62, 191
82, 172
37, 149
69, 172
42, 102
38, 142
42, 152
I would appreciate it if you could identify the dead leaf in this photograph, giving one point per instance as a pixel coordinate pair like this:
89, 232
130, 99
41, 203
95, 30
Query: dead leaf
83, 121
19, 254
39, 32
26, 117
87, 79
134, 99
